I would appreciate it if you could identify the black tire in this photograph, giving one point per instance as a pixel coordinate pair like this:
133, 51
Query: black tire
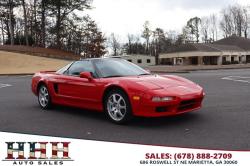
123, 103
47, 104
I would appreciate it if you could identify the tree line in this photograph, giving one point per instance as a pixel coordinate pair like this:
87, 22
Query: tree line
51, 24
55, 24
231, 20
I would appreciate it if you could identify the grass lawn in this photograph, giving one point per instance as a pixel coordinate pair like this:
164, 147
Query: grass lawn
14, 63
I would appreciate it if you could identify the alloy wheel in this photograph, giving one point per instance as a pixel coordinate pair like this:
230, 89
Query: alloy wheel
43, 96
116, 107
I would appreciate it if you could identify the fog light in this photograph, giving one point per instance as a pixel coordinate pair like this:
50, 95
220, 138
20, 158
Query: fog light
162, 99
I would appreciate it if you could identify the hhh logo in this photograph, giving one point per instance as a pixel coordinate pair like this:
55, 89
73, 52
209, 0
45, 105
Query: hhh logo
55, 150
43, 151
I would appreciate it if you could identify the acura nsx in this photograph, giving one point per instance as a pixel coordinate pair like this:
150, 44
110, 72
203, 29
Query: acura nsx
117, 87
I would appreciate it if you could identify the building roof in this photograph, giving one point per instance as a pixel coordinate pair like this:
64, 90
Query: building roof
234, 40
202, 47
183, 48
225, 47
131, 55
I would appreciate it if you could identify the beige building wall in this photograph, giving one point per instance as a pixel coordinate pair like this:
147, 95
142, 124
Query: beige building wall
140, 60
206, 56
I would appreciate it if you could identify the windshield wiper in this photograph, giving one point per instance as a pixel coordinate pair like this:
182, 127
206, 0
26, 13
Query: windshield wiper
144, 74
113, 76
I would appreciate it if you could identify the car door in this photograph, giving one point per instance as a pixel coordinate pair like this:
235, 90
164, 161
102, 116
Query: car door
78, 91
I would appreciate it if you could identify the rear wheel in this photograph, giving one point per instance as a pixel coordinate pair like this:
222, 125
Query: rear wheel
44, 98
118, 107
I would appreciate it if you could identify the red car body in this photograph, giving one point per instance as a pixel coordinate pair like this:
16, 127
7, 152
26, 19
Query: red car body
90, 94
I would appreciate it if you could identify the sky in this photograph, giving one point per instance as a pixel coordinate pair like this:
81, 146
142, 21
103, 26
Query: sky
128, 16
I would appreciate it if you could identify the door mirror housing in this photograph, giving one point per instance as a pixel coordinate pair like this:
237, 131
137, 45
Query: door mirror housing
147, 70
86, 75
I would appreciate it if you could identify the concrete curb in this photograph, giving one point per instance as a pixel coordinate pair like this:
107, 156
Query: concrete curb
170, 71
17, 74
218, 69
189, 70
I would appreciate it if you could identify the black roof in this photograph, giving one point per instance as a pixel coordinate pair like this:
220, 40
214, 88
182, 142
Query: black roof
203, 47
241, 42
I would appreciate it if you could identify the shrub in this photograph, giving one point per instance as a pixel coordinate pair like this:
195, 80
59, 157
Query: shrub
167, 63
226, 62
234, 62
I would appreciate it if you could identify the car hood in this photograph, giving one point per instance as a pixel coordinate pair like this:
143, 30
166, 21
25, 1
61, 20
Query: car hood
155, 81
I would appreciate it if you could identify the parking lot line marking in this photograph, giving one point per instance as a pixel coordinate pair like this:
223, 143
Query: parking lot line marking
242, 81
4, 85
237, 78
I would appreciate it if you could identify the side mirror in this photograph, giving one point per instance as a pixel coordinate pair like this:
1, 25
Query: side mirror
86, 75
147, 70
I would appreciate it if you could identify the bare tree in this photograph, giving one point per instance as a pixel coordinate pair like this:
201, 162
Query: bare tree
226, 23
160, 39
146, 34
246, 20
213, 26
137, 42
2, 29
171, 35
2, 19
25, 23
237, 18
10, 22
131, 39
186, 35
114, 43
205, 25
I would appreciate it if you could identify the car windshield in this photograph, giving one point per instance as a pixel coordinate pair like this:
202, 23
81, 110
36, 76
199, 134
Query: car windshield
63, 69
118, 68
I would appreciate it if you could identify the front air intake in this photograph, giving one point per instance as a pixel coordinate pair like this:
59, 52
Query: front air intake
161, 109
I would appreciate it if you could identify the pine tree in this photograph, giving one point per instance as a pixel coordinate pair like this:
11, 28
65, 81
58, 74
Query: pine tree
62, 9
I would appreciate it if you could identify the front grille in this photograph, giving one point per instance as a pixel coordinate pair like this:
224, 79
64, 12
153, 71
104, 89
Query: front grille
187, 102
184, 105
161, 109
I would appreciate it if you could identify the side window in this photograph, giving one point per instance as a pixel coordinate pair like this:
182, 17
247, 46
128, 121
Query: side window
81, 66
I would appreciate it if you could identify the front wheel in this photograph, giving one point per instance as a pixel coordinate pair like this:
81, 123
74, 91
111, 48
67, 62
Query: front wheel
44, 97
118, 107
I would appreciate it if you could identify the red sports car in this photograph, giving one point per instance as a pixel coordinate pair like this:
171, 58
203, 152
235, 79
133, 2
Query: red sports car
117, 87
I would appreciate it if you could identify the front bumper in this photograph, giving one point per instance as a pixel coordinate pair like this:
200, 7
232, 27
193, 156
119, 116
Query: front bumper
179, 105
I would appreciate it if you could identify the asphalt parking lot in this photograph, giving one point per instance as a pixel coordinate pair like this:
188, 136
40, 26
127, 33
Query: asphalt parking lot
222, 123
